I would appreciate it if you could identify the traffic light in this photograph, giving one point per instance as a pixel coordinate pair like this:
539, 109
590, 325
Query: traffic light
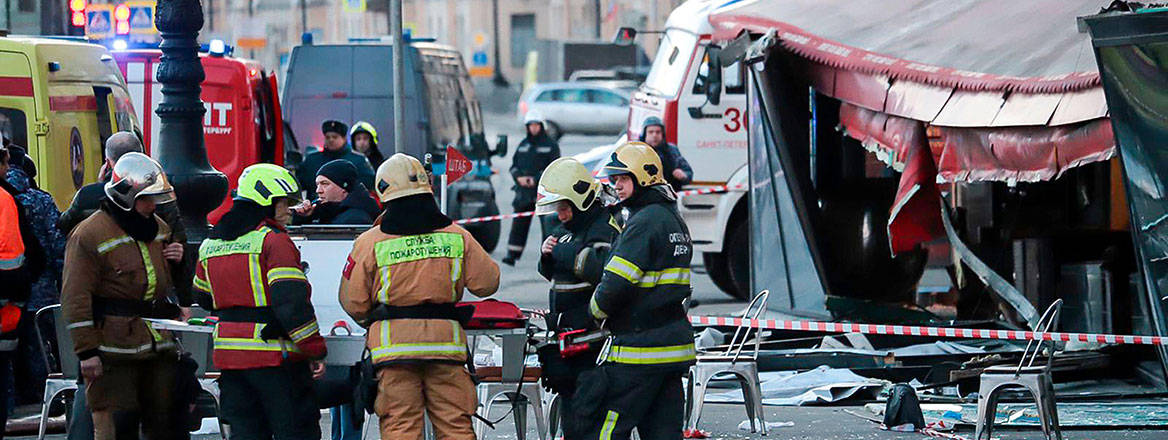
122, 19
77, 17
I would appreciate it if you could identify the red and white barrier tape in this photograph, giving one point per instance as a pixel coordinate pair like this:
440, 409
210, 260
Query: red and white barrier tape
495, 218
947, 332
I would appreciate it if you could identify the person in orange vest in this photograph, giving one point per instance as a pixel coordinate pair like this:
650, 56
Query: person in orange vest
267, 342
401, 281
116, 274
21, 263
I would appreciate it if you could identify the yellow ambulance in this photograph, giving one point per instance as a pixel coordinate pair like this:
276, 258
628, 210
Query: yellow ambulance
60, 99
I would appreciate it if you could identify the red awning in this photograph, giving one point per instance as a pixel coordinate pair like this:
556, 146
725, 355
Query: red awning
1005, 90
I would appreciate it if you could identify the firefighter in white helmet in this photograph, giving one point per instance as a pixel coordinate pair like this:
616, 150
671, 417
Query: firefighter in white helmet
402, 281
116, 274
532, 157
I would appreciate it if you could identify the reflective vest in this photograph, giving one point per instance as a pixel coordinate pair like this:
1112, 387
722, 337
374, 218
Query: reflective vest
437, 246
412, 270
11, 244
239, 275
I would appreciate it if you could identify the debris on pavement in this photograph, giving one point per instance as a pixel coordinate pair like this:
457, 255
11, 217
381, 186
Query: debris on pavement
745, 425
819, 386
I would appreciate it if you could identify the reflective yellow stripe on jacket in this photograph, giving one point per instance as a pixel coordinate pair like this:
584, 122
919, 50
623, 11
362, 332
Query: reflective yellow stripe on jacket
393, 252
252, 244
647, 279
254, 343
652, 355
387, 350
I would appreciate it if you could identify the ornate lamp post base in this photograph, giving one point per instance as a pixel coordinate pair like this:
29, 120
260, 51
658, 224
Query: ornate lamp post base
198, 186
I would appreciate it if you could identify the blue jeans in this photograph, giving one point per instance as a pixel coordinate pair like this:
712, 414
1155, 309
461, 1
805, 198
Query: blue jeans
343, 424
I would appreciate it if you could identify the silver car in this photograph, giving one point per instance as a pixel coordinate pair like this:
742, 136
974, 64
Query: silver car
593, 107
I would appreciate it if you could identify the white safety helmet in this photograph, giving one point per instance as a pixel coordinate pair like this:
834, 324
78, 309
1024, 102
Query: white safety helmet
533, 117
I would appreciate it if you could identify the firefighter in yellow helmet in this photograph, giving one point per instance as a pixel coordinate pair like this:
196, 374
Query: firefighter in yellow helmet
402, 281
267, 341
115, 275
363, 138
640, 296
573, 259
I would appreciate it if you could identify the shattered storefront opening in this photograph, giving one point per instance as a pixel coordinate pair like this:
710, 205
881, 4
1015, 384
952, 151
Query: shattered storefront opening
871, 169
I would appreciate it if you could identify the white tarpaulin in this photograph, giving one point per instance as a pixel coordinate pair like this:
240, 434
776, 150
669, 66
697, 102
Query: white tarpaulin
821, 385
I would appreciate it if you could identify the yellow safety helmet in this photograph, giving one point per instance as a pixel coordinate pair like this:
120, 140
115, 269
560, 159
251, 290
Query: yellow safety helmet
638, 159
263, 183
566, 179
401, 175
363, 127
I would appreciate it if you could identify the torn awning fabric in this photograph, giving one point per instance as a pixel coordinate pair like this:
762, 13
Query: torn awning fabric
988, 90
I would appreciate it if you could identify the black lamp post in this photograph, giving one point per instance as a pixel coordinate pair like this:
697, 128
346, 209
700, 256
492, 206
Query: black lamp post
198, 186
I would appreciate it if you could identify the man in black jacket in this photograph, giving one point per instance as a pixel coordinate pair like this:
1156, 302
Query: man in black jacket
531, 157
341, 198
675, 168
335, 147
640, 297
572, 258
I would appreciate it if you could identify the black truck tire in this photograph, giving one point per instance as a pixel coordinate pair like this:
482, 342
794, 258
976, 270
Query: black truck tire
737, 254
715, 263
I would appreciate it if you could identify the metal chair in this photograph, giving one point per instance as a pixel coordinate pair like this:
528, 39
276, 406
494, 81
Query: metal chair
1035, 379
66, 380
514, 383
732, 362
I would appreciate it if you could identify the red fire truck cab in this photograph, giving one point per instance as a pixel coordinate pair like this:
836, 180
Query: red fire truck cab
242, 124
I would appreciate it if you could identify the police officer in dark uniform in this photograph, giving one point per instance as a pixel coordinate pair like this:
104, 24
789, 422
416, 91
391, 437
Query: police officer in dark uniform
572, 258
640, 298
533, 155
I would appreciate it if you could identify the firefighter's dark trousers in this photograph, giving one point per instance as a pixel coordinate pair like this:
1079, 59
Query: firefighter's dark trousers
270, 403
517, 240
649, 401
142, 386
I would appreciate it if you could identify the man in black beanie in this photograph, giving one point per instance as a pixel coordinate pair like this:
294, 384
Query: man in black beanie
341, 198
335, 147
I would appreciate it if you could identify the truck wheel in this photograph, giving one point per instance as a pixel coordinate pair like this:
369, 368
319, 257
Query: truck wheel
486, 233
719, 273
737, 252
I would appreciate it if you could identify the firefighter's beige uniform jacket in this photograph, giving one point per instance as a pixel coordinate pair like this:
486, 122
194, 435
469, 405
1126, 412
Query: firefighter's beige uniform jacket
101, 260
411, 270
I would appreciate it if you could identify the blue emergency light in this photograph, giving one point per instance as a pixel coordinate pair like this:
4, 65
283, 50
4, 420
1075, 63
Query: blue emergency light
217, 48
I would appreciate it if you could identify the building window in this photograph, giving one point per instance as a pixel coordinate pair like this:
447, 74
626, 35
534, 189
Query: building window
522, 38
26, 5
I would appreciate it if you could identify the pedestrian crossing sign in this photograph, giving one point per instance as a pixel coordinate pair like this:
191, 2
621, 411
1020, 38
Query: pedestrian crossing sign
142, 18
99, 22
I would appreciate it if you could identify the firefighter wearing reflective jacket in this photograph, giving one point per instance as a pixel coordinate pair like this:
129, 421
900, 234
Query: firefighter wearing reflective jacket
115, 274
572, 258
402, 280
640, 296
267, 342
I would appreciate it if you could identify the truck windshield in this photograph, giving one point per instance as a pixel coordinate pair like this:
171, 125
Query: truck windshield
670, 64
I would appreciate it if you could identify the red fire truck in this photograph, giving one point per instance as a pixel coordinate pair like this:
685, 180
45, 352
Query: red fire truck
242, 124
